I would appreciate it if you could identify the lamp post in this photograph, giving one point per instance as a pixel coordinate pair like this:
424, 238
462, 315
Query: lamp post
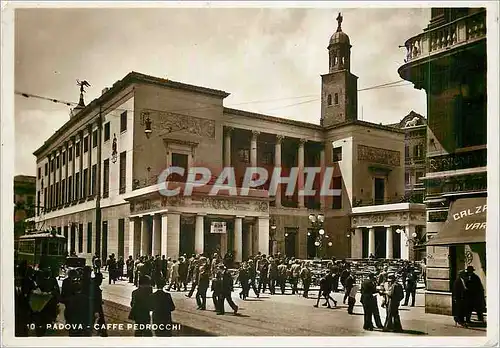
415, 239
272, 237
321, 236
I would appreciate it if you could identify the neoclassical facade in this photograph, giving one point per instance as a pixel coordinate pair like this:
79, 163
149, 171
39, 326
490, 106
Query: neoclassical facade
100, 173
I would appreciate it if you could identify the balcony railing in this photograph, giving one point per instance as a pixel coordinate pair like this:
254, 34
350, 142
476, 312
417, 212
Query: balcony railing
395, 200
447, 36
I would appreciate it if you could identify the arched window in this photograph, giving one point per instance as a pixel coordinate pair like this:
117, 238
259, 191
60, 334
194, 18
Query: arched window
329, 99
336, 99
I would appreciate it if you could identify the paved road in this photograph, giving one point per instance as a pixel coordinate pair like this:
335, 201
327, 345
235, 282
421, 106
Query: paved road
283, 315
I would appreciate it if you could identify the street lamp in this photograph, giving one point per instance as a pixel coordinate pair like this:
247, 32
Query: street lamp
317, 225
272, 235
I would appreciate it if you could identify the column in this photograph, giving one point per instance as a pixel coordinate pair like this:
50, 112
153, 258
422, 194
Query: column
371, 241
253, 149
223, 244
156, 247
300, 180
54, 181
59, 193
49, 196
277, 164
357, 244
249, 239
144, 236
199, 232
322, 164
73, 147
164, 235
263, 234
389, 253
66, 154
405, 243
89, 162
80, 188
173, 228
227, 146
238, 239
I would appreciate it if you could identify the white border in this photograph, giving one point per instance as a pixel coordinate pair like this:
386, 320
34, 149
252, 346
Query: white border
7, 168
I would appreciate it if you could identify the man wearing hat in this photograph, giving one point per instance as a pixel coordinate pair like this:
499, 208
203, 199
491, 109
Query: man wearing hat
476, 301
394, 296
369, 302
227, 288
411, 287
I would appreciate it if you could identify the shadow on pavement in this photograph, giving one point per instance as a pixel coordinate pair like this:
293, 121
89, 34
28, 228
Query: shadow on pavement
414, 332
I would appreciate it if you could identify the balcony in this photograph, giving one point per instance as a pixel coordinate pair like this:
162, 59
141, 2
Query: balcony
448, 36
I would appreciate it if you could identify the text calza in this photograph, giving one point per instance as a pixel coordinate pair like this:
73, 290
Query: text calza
468, 212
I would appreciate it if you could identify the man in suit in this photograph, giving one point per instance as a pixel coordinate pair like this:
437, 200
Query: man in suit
394, 295
140, 306
227, 288
369, 302
162, 306
411, 287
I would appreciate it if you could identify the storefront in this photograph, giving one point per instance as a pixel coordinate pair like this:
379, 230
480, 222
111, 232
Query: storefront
460, 243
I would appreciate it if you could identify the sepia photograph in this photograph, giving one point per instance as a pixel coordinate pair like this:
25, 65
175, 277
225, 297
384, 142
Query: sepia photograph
304, 173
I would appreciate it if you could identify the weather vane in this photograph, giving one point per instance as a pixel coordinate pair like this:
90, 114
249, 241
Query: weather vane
339, 20
83, 84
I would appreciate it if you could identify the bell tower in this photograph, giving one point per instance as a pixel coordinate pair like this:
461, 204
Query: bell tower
339, 88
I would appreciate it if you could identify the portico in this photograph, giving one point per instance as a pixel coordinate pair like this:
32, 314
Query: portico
173, 226
387, 231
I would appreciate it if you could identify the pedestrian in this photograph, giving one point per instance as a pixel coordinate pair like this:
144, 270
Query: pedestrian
411, 287
46, 286
295, 276
23, 287
162, 307
97, 305
263, 267
252, 275
369, 302
306, 277
227, 288
183, 273
394, 296
120, 264
351, 301
203, 285
130, 269
112, 268
325, 287
139, 265
272, 275
174, 276
97, 263
244, 280
476, 301
460, 299
217, 290
140, 307
348, 284
282, 276
195, 276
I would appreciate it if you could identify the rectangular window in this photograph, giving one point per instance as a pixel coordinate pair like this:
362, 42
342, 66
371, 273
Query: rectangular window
38, 203
85, 144
66, 234
94, 139
267, 158
121, 238
80, 238
39, 173
77, 186
57, 162
45, 198
70, 189
64, 158
418, 175
107, 131
123, 171
337, 154
105, 186
407, 151
407, 179
57, 195
337, 199
123, 121
70, 154
85, 181
51, 166
77, 149
89, 237
46, 168
63, 191
93, 179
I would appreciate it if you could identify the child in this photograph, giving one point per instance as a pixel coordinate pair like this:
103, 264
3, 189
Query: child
351, 301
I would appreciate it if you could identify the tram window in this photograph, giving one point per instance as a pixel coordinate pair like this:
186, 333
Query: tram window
43, 245
53, 248
27, 246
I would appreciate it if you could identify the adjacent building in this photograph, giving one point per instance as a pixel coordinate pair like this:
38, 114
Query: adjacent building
100, 174
448, 61
24, 202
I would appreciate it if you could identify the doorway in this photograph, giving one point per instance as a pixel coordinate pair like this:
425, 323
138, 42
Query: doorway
379, 190
290, 241
187, 240
104, 242
311, 239
380, 242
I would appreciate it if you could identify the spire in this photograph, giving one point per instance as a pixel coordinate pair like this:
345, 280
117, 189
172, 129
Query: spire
339, 20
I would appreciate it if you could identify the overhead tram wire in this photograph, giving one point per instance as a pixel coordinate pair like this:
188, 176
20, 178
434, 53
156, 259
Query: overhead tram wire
68, 103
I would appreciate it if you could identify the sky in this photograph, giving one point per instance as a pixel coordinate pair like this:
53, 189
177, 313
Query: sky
269, 59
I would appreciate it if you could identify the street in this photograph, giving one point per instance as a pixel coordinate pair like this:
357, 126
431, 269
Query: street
283, 315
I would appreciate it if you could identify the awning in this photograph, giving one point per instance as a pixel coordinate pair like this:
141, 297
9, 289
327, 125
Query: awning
466, 223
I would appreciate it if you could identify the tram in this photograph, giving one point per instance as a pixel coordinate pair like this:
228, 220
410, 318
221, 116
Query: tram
41, 250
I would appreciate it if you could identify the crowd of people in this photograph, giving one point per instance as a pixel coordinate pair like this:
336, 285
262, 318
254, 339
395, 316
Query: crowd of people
198, 274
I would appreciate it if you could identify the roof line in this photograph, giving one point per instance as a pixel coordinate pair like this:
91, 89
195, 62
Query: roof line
273, 118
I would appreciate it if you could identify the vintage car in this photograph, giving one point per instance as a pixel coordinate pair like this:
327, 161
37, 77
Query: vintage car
72, 262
